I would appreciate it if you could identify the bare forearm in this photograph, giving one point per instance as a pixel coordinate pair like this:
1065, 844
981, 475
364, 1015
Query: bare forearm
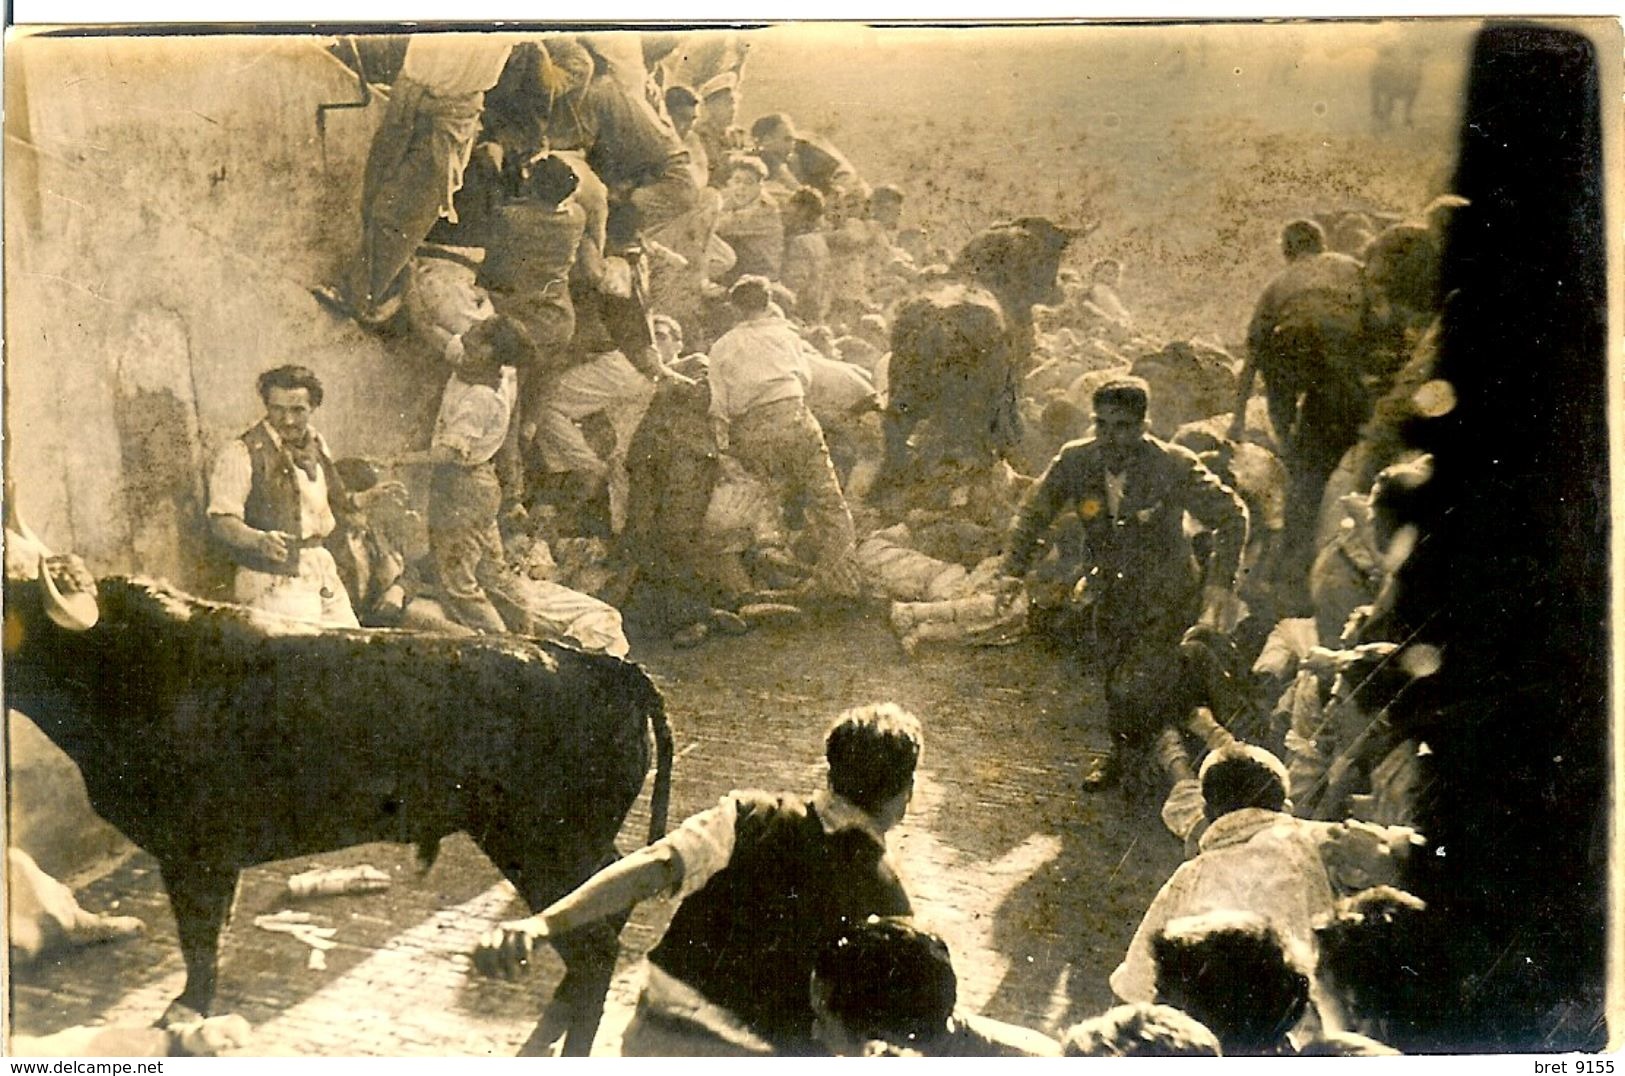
617, 888
234, 532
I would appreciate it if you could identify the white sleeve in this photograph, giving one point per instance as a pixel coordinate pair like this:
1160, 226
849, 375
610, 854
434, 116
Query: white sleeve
231, 480
704, 844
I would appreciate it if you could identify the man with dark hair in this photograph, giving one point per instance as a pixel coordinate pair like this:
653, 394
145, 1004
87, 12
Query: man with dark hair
760, 375
1307, 339
1368, 943
886, 209
683, 109
764, 881
1141, 1030
885, 987
1231, 972
274, 498
797, 160
1140, 578
476, 410
806, 255
1256, 858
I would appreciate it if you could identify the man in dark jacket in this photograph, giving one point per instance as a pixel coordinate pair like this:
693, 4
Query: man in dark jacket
1140, 578
765, 880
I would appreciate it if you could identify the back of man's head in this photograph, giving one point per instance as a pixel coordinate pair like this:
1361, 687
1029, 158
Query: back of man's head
1231, 972
751, 294
680, 97
552, 180
1301, 238
1366, 943
886, 979
771, 124
1141, 1030
510, 341
872, 752
886, 194
1130, 393
1240, 775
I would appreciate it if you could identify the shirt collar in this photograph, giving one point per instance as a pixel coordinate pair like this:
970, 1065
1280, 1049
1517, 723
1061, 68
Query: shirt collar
1238, 827
836, 813
276, 438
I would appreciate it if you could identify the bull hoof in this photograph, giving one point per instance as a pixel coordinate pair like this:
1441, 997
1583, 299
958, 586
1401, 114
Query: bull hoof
179, 1014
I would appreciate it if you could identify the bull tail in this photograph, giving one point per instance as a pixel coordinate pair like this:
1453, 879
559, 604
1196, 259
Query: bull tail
660, 797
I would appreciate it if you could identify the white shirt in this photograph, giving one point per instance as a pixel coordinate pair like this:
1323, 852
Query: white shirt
1115, 485
232, 479
473, 418
759, 361
1252, 860
451, 64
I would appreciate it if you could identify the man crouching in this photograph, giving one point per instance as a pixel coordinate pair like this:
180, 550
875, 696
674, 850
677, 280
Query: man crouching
764, 881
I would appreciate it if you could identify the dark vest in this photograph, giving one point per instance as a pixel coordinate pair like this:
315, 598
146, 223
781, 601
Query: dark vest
747, 940
273, 499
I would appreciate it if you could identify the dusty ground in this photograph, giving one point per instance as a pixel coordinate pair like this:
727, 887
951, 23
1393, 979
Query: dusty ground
1037, 888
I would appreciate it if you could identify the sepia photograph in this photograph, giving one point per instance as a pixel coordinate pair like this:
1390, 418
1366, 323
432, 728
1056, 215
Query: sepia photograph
1019, 539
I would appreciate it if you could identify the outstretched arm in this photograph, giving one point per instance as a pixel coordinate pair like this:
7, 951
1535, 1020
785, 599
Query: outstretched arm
620, 886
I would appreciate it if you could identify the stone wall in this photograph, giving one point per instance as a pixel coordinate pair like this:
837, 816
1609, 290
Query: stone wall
169, 203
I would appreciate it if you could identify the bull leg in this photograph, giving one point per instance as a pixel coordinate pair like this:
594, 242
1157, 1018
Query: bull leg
578, 1004
201, 898
543, 872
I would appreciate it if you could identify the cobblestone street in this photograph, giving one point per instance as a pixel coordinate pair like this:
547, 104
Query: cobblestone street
1036, 888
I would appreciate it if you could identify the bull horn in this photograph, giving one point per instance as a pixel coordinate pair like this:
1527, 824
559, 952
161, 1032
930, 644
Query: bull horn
14, 522
75, 612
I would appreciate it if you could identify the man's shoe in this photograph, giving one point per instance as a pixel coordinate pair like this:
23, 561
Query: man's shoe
1107, 773
332, 301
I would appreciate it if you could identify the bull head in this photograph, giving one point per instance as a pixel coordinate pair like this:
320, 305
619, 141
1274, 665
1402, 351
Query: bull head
75, 611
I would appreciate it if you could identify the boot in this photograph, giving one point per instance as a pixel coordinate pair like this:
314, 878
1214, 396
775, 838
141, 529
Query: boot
1106, 773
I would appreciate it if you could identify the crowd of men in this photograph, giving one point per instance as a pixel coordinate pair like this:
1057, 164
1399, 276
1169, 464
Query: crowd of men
668, 342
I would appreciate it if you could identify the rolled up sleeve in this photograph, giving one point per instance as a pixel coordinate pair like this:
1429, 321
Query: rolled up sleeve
704, 844
230, 481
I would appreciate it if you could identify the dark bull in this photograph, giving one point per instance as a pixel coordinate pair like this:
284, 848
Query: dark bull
216, 738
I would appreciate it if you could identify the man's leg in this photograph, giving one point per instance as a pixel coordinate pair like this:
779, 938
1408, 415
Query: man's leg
803, 469
586, 389
633, 395
1145, 692
462, 531
406, 188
